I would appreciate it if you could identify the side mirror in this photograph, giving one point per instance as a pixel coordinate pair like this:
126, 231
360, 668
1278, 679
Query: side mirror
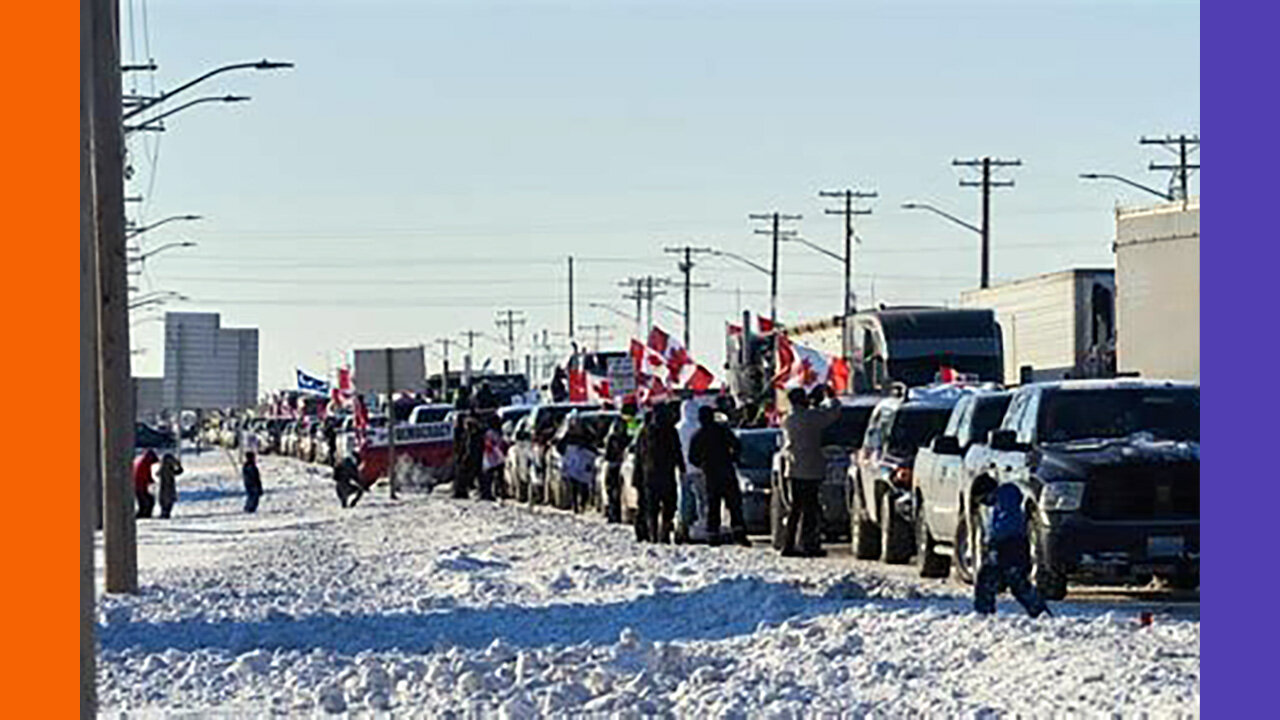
1004, 440
946, 445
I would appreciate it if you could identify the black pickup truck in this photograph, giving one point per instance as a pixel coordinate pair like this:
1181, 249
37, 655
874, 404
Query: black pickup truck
1110, 470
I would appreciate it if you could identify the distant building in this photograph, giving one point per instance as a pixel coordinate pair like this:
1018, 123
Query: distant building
1158, 290
207, 366
148, 398
1055, 325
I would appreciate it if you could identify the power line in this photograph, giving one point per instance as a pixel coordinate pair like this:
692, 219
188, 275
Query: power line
1184, 144
510, 321
775, 219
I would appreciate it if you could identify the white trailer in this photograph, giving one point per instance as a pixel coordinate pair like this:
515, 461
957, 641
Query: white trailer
1057, 324
1158, 290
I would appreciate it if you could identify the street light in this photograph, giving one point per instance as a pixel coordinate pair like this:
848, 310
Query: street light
147, 228
943, 213
158, 300
741, 259
143, 257
260, 65
1127, 181
149, 124
819, 248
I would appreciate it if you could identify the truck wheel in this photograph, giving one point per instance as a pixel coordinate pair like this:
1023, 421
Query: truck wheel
1050, 581
776, 518
864, 536
932, 565
896, 541
965, 555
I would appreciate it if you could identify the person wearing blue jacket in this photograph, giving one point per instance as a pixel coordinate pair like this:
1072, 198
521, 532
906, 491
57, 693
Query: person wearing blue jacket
1006, 559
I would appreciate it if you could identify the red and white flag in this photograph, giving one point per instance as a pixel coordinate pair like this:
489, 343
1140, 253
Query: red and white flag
598, 388
766, 325
671, 351
732, 329
802, 366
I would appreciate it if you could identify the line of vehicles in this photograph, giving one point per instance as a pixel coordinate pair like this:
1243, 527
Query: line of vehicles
1109, 468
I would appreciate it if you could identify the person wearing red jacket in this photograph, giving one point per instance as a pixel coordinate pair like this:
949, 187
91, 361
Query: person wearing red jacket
142, 482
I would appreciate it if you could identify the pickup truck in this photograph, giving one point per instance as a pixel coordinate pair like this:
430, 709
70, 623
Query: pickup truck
1110, 473
943, 474
880, 474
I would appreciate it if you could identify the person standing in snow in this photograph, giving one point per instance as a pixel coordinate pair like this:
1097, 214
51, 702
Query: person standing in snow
461, 462
716, 450
170, 469
806, 469
142, 482
346, 477
1006, 559
495, 451
661, 456
615, 449
252, 482
577, 458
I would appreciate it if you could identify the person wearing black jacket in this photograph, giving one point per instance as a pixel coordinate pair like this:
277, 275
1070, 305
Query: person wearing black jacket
661, 456
252, 483
716, 450
346, 477
615, 450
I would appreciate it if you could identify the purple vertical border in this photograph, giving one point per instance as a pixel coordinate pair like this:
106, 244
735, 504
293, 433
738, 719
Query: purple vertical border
1239, 277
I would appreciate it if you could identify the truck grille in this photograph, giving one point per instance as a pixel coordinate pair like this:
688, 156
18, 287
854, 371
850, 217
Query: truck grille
1144, 492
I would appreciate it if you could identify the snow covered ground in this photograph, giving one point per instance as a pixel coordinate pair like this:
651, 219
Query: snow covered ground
431, 607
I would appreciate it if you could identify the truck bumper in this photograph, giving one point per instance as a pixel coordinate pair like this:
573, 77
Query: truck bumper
1117, 549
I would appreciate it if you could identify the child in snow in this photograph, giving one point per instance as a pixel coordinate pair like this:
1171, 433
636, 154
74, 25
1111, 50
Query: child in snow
252, 483
1006, 560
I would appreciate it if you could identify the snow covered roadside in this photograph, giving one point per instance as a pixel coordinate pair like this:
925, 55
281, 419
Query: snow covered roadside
435, 608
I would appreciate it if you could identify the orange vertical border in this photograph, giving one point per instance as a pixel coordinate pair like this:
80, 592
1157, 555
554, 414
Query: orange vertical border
39, 599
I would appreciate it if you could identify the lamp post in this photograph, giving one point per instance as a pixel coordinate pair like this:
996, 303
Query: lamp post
149, 123
135, 232
259, 65
741, 259
985, 281
143, 257
1127, 181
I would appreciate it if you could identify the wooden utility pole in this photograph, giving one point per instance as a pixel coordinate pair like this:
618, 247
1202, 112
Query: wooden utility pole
90, 391
391, 422
986, 183
777, 233
115, 375
686, 267
850, 305
570, 297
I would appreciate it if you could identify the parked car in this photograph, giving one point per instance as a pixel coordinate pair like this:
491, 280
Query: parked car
839, 441
595, 423
543, 422
146, 437
755, 475
436, 412
1110, 472
880, 476
943, 475
519, 460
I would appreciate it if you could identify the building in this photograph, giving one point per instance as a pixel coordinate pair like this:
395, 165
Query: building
207, 366
148, 398
1054, 325
1158, 290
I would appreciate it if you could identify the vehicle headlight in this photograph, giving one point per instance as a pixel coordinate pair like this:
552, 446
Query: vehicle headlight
1061, 496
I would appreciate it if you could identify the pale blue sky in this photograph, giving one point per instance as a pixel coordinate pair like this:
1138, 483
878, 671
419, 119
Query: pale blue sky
431, 162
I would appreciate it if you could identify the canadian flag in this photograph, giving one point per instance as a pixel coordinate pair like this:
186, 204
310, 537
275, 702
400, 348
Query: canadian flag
647, 361
700, 379
671, 351
732, 329
766, 325
802, 366
598, 388
577, 386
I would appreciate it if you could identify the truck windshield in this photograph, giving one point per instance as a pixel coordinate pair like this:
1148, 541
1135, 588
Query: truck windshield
849, 429
758, 448
915, 426
1166, 413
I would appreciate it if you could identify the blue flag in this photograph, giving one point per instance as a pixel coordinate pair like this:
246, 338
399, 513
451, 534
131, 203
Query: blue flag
312, 384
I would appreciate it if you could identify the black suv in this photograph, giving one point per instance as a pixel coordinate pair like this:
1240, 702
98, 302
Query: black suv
1110, 470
